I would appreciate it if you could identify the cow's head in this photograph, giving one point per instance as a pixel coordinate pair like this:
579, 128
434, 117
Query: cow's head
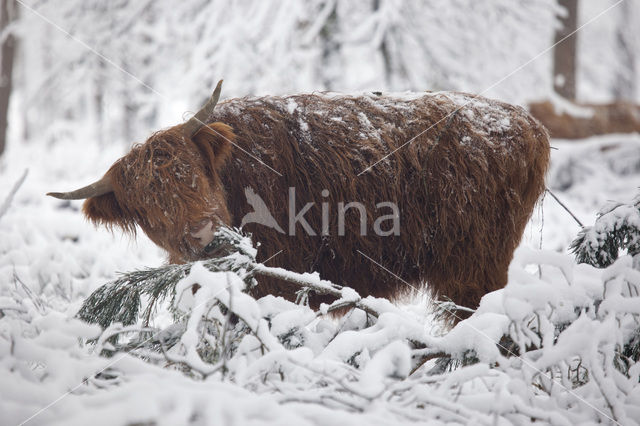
169, 186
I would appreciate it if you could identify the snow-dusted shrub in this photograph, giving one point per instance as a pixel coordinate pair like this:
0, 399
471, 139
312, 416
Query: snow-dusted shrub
560, 348
617, 229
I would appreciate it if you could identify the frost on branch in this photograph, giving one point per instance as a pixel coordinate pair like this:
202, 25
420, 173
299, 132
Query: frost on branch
617, 228
120, 300
561, 348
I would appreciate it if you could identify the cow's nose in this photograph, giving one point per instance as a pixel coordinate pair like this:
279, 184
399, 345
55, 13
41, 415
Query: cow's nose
205, 233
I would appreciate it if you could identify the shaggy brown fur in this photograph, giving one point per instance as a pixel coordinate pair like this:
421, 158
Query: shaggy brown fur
465, 188
619, 117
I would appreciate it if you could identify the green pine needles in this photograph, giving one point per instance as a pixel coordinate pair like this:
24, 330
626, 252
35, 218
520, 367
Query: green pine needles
121, 300
617, 228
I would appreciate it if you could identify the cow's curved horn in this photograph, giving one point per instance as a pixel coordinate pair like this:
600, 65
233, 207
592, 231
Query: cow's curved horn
198, 120
100, 187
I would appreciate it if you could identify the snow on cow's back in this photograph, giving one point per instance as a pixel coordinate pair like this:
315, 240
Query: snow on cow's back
353, 118
497, 125
367, 117
488, 115
493, 115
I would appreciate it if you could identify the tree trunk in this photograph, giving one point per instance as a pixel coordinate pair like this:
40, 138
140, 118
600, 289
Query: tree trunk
625, 85
564, 54
7, 53
386, 55
330, 67
98, 101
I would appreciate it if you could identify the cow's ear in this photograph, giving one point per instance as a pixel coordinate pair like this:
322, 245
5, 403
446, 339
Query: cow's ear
215, 141
105, 210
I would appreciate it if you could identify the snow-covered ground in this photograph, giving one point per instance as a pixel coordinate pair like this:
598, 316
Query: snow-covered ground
344, 372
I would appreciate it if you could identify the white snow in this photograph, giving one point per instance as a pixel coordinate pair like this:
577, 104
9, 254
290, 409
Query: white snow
289, 364
295, 365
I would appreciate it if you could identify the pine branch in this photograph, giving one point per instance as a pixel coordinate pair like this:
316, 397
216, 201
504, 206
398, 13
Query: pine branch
120, 300
615, 229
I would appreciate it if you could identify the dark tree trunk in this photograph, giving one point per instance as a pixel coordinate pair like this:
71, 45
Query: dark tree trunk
7, 53
564, 54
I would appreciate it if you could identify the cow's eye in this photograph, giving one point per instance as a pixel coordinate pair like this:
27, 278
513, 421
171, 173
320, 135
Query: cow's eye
198, 226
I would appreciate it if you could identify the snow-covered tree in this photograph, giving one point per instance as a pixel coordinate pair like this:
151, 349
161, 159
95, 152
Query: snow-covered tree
8, 11
115, 71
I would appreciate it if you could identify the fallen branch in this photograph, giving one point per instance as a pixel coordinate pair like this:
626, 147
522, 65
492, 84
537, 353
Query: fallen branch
345, 296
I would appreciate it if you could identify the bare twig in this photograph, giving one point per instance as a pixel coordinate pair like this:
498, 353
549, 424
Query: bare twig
9, 198
565, 207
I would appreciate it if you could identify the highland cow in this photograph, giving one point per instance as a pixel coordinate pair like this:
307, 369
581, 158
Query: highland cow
464, 172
